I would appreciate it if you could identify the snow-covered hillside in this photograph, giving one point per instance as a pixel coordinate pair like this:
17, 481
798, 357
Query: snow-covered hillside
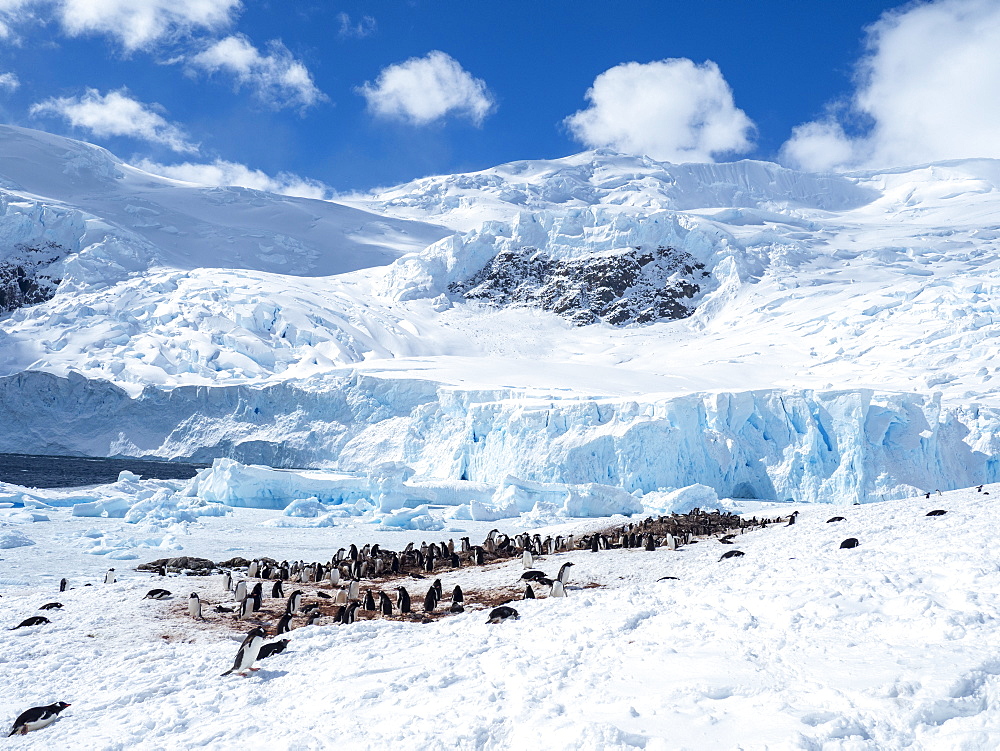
839, 345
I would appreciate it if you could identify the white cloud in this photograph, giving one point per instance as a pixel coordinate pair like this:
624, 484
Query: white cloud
136, 24
276, 78
9, 82
929, 89
672, 110
222, 173
424, 89
116, 114
364, 26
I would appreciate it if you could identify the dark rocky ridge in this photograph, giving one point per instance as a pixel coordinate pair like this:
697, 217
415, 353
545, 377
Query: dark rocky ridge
26, 277
629, 286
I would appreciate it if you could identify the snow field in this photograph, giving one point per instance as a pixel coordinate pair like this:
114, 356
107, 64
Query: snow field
796, 645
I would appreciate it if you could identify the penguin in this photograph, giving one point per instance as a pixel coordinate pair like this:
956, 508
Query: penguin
109, 578
430, 600
284, 624
257, 592
384, 603
248, 652
36, 718
727, 539
157, 594
650, 543
529, 593
369, 602
594, 544
334, 576
348, 613
253, 569
533, 575
272, 648
295, 601
51, 606
668, 578
227, 581
791, 518
354, 590
35, 620
240, 593
63, 586
563, 574
194, 606
502, 613
246, 608
527, 559
979, 488
457, 600
438, 588
927, 495
836, 519
456, 562
277, 590
221, 609
732, 554
341, 597
324, 595
314, 616
850, 542
557, 589
403, 600
936, 512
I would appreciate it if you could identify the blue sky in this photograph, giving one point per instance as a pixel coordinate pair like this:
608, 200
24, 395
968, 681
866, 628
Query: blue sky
220, 86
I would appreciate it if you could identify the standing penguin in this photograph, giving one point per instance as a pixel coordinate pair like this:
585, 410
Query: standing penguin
36, 718
63, 586
527, 560
557, 589
369, 602
457, 600
430, 600
284, 624
276, 590
109, 578
227, 581
247, 654
246, 608
403, 600
354, 590
341, 597
384, 603
563, 575
240, 593
438, 588
529, 593
295, 601
194, 606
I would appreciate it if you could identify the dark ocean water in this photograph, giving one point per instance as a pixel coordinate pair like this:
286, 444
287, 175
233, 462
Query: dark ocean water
73, 471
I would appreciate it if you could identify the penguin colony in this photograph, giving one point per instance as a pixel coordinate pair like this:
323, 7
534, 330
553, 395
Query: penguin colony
350, 566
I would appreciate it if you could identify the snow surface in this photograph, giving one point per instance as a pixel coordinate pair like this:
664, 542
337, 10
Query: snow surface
796, 645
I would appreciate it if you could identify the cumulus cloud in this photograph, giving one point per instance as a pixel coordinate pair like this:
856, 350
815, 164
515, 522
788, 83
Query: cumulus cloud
9, 82
672, 110
276, 78
424, 89
363, 27
223, 173
117, 114
136, 24
928, 89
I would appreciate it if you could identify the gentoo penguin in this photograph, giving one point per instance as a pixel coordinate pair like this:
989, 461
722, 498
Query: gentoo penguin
527, 559
732, 554
430, 600
240, 593
63, 586
334, 576
284, 624
369, 602
194, 606
457, 600
51, 606
836, 519
438, 588
384, 603
850, 542
246, 608
529, 593
324, 595
791, 518
272, 648
502, 613
314, 616
36, 718
276, 590
936, 512
354, 590
248, 652
109, 578
533, 575
348, 613
563, 575
253, 569
557, 589
403, 600
456, 562
157, 594
341, 597
35, 620
295, 601
257, 592
727, 539
227, 581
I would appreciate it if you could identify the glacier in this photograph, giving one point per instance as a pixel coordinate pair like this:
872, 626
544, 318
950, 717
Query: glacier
841, 348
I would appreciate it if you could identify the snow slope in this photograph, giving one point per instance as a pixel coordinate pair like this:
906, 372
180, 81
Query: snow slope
840, 348
796, 645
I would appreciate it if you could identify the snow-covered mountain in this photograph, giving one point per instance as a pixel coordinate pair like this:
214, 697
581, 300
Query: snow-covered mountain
822, 337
